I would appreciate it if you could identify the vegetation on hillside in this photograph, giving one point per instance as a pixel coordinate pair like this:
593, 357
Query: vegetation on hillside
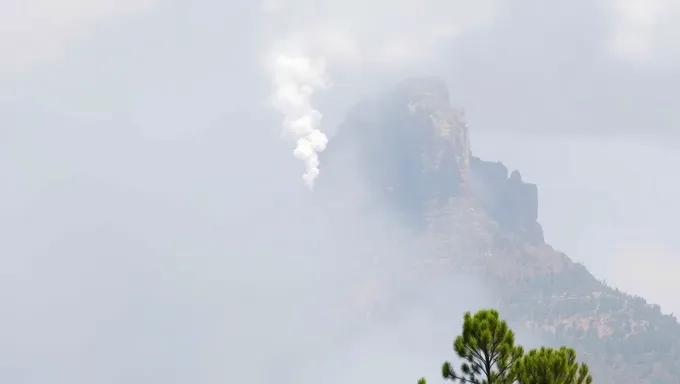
622, 337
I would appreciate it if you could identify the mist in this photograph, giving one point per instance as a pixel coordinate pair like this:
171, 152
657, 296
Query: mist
155, 226
141, 260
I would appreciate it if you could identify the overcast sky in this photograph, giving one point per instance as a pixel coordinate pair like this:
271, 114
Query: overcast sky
143, 168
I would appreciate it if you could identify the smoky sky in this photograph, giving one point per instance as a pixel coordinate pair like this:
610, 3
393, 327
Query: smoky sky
154, 224
544, 70
524, 66
135, 259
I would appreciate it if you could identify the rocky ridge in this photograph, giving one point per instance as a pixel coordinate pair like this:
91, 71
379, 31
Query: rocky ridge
415, 155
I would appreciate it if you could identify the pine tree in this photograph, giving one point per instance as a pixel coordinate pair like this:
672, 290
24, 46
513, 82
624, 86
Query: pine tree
550, 366
487, 347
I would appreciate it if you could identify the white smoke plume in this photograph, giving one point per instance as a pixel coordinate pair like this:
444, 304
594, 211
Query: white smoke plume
296, 79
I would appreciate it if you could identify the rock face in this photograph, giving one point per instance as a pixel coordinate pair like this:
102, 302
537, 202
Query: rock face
414, 147
475, 218
511, 202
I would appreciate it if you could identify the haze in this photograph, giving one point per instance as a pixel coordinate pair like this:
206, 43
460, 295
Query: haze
155, 225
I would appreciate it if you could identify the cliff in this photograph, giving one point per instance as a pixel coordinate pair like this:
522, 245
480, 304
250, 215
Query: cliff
414, 147
413, 151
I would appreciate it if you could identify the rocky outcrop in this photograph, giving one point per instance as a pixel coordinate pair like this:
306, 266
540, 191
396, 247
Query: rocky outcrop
413, 148
480, 220
411, 144
511, 202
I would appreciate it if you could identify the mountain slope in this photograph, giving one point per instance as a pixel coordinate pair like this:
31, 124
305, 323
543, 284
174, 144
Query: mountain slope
415, 157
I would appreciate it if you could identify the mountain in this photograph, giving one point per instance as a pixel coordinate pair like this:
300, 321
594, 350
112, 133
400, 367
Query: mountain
414, 155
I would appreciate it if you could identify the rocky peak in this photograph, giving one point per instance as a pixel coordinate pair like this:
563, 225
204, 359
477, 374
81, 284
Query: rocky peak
413, 148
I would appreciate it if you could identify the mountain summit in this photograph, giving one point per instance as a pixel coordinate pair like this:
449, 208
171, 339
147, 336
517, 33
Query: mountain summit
412, 148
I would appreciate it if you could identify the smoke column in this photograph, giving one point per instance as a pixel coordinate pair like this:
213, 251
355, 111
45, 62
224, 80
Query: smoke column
296, 79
